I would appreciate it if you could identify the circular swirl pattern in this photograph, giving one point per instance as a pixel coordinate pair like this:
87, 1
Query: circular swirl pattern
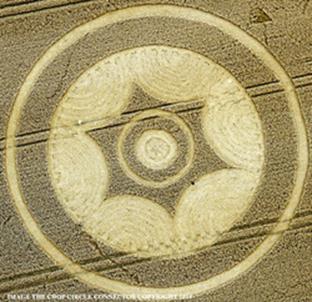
175, 75
156, 149
206, 210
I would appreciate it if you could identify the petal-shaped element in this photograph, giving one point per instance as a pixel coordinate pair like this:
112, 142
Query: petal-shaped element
100, 93
212, 205
232, 127
79, 174
132, 224
173, 75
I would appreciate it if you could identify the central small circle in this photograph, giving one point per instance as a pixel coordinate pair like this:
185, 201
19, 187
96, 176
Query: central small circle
156, 149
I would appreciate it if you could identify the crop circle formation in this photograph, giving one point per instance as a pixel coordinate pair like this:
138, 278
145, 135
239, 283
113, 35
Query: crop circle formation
80, 172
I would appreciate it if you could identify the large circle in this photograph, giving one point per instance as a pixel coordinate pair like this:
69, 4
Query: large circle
103, 283
210, 203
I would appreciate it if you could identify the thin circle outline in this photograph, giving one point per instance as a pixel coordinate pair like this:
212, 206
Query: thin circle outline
100, 282
185, 129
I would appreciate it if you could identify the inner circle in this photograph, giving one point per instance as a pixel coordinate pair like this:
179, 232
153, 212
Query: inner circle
147, 150
94, 279
156, 149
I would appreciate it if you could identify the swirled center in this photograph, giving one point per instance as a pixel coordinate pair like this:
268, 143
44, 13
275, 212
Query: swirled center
156, 149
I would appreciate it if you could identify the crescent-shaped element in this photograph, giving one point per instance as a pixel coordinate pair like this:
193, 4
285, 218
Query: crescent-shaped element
79, 174
101, 93
132, 224
211, 206
232, 126
172, 74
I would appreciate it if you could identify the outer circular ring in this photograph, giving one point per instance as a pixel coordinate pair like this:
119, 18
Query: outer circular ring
184, 128
103, 283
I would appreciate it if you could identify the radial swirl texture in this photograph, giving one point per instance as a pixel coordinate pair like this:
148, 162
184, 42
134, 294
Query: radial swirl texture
230, 125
